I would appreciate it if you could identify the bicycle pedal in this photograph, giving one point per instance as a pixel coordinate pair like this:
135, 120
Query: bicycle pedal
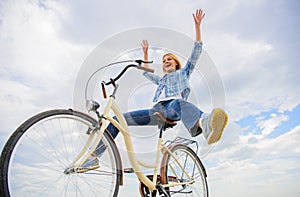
128, 170
162, 190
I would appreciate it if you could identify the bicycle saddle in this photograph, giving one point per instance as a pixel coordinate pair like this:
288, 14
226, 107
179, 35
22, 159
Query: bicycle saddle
164, 123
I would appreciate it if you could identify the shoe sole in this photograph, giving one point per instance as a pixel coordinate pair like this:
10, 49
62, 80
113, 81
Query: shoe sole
217, 124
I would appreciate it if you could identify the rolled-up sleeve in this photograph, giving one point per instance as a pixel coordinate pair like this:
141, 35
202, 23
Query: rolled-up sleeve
197, 49
195, 54
152, 77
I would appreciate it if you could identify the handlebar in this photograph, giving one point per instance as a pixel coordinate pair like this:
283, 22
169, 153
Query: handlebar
112, 81
129, 66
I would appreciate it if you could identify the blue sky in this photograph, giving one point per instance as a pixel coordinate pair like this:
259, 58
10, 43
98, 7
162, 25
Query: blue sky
253, 44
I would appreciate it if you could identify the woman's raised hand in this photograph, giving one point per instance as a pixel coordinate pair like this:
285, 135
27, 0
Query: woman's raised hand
145, 45
198, 16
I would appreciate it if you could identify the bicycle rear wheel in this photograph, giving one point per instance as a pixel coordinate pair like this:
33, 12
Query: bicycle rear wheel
183, 166
37, 154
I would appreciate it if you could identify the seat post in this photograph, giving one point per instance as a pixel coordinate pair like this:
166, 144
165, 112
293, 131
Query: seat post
163, 123
162, 129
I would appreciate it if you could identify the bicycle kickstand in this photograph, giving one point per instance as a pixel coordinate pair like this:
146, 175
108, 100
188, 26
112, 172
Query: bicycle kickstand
162, 189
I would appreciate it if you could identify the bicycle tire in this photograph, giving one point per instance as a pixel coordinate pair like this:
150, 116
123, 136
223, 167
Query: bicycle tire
37, 153
171, 172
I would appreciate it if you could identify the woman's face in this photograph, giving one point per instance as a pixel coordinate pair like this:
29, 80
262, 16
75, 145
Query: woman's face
169, 64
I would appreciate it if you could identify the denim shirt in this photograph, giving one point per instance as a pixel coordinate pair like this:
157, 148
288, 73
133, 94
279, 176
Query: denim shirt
177, 82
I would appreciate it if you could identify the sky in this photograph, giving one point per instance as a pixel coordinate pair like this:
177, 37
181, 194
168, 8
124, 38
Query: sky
44, 45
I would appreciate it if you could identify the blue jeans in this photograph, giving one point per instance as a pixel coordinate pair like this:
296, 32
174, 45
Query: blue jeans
176, 109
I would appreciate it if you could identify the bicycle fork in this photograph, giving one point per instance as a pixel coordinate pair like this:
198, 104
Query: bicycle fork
95, 135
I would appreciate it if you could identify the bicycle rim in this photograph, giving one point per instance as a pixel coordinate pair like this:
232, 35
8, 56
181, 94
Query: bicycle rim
172, 172
34, 159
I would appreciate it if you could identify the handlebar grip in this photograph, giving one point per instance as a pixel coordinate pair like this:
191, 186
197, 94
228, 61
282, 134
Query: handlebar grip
103, 90
146, 69
144, 62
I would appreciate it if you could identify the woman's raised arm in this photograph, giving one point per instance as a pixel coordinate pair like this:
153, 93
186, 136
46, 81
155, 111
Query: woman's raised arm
198, 16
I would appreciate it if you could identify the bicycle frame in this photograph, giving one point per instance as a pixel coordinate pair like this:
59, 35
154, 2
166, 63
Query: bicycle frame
123, 128
135, 162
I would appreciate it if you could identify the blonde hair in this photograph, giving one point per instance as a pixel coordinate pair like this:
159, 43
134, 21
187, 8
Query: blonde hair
174, 57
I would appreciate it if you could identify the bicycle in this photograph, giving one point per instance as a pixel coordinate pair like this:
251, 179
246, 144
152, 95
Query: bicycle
44, 155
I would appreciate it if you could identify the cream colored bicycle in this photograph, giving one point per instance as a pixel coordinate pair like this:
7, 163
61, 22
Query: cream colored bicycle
45, 156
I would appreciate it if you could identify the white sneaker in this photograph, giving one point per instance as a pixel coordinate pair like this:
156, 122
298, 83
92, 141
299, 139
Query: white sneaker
213, 125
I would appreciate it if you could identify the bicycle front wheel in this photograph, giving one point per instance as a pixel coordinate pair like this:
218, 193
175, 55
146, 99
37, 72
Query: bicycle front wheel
35, 158
184, 168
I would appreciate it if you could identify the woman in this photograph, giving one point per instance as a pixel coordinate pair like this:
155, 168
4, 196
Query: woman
172, 92
171, 96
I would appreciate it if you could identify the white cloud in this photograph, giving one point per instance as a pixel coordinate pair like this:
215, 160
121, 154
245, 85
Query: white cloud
256, 76
268, 125
30, 40
286, 144
256, 63
260, 169
38, 68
